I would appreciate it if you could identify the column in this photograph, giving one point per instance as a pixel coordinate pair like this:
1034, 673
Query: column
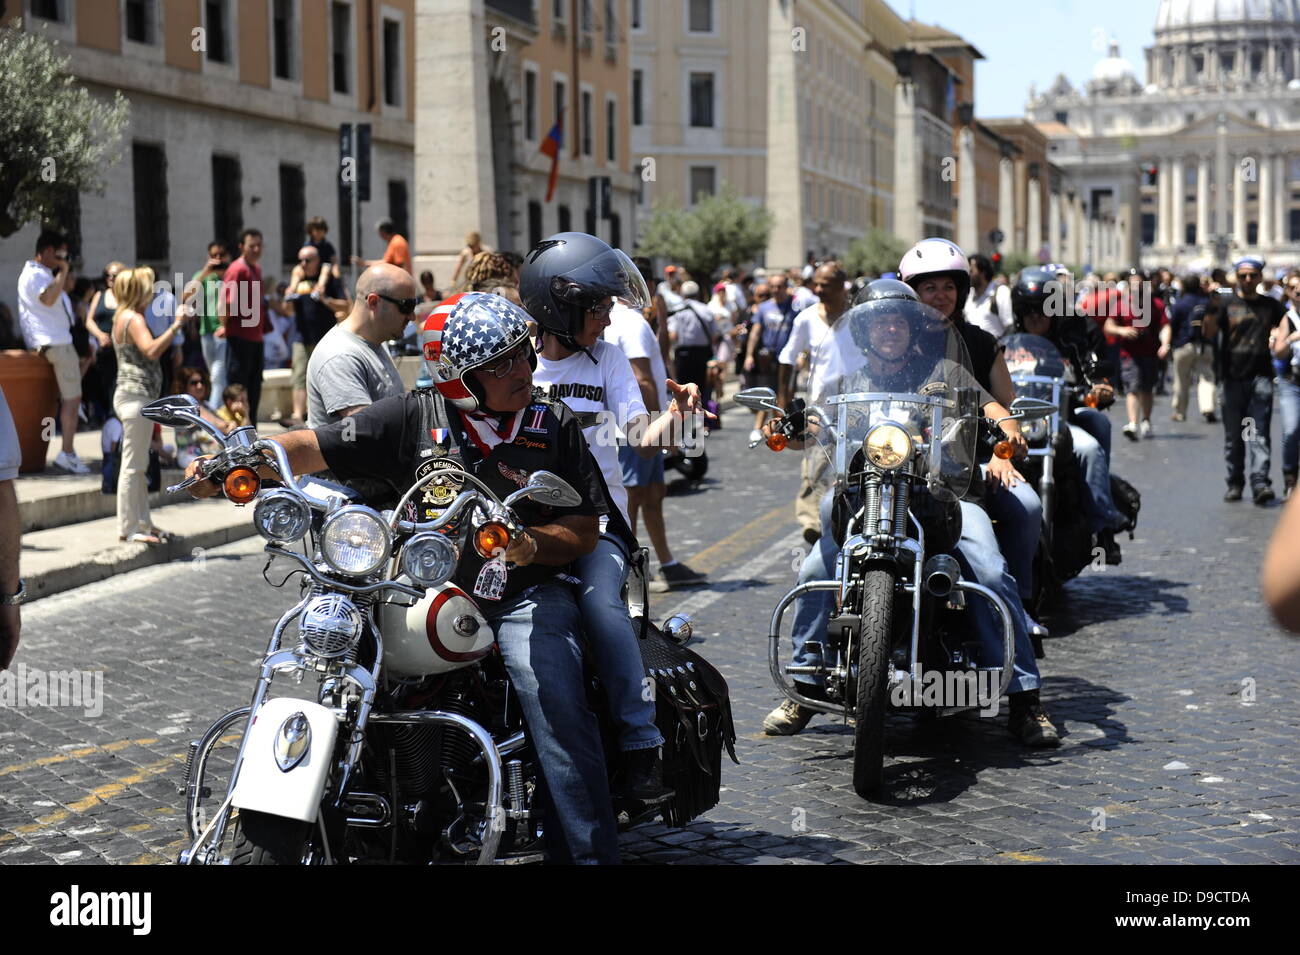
1006, 203
1129, 220
1077, 227
784, 183
1281, 201
1034, 218
967, 201
1239, 203
1162, 204
1222, 177
1267, 188
1178, 204
1203, 202
1055, 249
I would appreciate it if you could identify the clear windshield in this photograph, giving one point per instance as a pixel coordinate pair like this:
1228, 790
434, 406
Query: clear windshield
1034, 363
897, 362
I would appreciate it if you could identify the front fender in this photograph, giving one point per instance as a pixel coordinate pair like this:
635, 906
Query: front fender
293, 793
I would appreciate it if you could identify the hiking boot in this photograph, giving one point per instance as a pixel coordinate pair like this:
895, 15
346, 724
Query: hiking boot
1264, 495
1131, 431
1029, 721
643, 777
1233, 493
1106, 541
674, 576
787, 719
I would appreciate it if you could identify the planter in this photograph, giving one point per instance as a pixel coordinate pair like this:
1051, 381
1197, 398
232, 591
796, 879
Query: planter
32, 393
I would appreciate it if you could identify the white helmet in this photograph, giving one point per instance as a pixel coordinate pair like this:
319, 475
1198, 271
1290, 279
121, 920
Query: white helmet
932, 257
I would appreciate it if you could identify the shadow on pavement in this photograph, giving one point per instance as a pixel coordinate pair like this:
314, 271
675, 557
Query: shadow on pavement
1098, 597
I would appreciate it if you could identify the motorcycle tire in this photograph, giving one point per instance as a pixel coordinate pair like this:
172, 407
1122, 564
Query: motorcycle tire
693, 468
874, 640
263, 839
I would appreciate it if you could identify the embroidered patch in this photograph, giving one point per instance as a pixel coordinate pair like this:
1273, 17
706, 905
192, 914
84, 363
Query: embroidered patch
534, 419
518, 475
441, 490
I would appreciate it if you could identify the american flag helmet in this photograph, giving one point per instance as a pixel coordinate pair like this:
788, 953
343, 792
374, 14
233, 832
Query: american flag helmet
465, 332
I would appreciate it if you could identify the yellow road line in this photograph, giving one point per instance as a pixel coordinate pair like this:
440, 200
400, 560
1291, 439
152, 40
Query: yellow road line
77, 754
759, 529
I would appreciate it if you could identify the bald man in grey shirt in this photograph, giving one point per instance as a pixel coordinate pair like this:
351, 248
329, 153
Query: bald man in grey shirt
350, 368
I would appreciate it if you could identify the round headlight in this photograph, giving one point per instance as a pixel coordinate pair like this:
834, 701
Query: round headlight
282, 516
887, 446
429, 558
355, 541
1035, 431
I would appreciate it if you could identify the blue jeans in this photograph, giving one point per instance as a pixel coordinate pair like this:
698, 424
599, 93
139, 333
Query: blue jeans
1091, 434
214, 354
1242, 399
981, 561
1288, 393
537, 632
612, 642
1019, 516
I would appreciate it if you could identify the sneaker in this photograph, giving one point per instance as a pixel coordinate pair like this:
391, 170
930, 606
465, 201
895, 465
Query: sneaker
1176, 416
1209, 416
787, 719
755, 435
643, 777
1029, 721
675, 575
68, 461
1233, 493
1264, 495
1131, 431
1144, 429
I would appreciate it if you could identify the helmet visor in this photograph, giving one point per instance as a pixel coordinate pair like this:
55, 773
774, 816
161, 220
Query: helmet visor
609, 275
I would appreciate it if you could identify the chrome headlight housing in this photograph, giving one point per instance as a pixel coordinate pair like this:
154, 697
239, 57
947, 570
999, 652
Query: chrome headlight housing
282, 516
888, 446
1037, 430
355, 541
330, 625
429, 558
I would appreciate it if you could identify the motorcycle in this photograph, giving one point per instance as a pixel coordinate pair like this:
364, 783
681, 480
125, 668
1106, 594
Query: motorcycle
900, 460
411, 746
1067, 544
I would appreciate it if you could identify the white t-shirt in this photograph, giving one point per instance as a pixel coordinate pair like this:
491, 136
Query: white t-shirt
979, 310
41, 324
629, 330
803, 297
606, 386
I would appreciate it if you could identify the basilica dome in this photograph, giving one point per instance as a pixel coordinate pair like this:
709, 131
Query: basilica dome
1182, 14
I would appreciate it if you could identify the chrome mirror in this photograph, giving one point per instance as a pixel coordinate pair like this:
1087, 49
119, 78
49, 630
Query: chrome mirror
175, 411
1031, 409
758, 399
547, 487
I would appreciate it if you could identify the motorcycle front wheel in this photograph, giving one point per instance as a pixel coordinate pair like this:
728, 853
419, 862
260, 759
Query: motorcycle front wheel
263, 839
874, 641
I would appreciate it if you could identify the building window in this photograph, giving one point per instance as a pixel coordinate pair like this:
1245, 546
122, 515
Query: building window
699, 16
557, 10
637, 15
149, 169
1256, 64
49, 10
341, 46
1293, 225
392, 63
530, 106
293, 212
534, 223
585, 16
1198, 65
702, 100
399, 206
586, 122
227, 199
615, 230
703, 182
638, 85
611, 131
141, 26
1226, 62
282, 38
1063, 117
216, 18
611, 23
565, 220
561, 92
1189, 237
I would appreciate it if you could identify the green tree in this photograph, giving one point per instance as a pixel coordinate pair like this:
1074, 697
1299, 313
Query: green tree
875, 253
54, 136
719, 229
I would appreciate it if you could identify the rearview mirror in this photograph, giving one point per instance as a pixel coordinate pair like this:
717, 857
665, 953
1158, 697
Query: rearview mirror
758, 399
175, 411
1031, 409
547, 487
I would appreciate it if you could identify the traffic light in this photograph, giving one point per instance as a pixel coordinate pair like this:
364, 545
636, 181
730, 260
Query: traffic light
997, 259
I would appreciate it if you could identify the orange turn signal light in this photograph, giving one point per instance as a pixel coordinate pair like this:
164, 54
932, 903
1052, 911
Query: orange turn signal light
491, 539
777, 441
1004, 450
1090, 399
241, 485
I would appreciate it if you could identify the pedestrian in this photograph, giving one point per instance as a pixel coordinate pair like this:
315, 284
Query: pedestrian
99, 322
245, 319
350, 369
317, 229
800, 294
429, 287
1193, 355
315, 314
774, 321
1286, 348
988, 306
204, 301
1241, 325
160, 314
46, 321
644, 478
396, 250
234, 406
1140, 327
694, 336
139, 381
192, 441
473, 246
11, 584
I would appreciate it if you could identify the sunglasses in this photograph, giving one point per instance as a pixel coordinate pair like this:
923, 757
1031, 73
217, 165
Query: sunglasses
404, 305
504, 367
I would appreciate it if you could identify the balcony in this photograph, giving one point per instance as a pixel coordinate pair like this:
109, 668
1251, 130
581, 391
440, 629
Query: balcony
521, 10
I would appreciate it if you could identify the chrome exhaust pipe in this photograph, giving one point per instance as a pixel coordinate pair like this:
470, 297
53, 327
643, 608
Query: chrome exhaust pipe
941, 574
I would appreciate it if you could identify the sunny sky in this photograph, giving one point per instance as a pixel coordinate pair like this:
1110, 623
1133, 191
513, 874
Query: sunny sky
1027, 42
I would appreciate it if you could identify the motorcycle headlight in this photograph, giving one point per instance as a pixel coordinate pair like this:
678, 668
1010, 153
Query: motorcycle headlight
355, 541
282, 516
429, 558
887, 446
1035, 431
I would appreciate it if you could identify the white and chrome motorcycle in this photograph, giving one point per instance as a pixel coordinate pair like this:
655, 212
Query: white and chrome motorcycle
407, 742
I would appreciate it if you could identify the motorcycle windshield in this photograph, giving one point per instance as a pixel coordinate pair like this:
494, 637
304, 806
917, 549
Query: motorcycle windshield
1031, 358
897, 362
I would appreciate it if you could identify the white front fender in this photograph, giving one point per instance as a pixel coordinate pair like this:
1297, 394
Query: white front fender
294, 793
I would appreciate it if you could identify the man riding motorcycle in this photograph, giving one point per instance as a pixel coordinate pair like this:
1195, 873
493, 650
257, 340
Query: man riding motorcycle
1082, 346
884, 344
482, 416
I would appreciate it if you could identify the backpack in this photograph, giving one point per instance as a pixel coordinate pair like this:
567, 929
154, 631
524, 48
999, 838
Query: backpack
1128, 501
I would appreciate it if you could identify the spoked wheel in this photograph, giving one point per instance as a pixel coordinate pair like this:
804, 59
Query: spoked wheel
872, 686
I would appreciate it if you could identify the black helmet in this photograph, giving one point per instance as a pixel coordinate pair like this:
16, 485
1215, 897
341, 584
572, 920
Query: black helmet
571, 272
1034, 286
893, 298
884, 288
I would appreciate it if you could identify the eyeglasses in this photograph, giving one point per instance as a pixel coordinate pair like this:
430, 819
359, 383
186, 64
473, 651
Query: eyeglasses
1248, 276
505, 366
404, 305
